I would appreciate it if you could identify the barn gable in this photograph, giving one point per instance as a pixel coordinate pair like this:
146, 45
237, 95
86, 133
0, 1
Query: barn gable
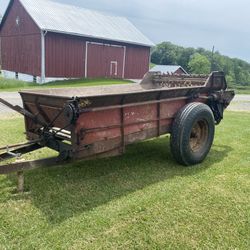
17, 20
20, 41
169, 69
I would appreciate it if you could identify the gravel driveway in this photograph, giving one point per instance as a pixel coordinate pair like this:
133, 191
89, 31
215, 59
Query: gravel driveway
12, 97
240, 103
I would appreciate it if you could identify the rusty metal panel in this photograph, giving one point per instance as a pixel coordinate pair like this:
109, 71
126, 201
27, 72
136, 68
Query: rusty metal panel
65, 56
104, 61
139, 122
105, 125
137, 62
169, 109
20, 42
118, 111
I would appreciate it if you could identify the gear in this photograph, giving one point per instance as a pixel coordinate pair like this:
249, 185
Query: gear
71, 113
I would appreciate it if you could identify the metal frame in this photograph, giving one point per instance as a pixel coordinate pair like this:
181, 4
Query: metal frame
124, 62
111, 68
1, 61
43, 59
86, 59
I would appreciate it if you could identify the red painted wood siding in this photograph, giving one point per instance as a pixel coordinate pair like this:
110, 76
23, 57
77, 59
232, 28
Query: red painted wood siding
100, 58
64, 56
180, 72
137, 62
20, 44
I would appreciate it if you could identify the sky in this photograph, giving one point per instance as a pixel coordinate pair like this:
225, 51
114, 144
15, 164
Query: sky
189, 23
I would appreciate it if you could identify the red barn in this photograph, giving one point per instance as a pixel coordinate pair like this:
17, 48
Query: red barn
169, 69
46, 40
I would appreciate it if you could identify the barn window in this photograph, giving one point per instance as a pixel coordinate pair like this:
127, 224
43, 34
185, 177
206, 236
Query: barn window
17, 21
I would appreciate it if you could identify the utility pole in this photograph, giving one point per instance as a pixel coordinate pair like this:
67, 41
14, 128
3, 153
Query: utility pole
212, 60
1, 17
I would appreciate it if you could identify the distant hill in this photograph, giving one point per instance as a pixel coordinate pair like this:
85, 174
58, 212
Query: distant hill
202, 61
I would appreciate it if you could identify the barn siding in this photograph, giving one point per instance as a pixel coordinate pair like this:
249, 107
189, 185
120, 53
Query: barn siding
137, 62
100, 58
64, 56
180, 72
20, 45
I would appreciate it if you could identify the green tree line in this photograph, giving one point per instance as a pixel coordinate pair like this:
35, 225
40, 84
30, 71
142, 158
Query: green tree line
202, 61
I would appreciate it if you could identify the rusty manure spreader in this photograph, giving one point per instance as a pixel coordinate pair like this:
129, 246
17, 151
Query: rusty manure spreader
91, 122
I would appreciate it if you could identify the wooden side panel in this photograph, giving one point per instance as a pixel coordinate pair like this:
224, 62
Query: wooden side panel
140, 122
65, 56
20, 42
137, 62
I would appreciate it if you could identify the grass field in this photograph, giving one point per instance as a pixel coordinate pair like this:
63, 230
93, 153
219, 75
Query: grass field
14, 85
241, 89
152, 65
142, 200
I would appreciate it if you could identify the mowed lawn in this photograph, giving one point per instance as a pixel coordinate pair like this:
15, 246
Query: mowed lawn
142, 200
239, 89
14, 85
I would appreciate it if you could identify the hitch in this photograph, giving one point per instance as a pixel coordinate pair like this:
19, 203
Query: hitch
218, 102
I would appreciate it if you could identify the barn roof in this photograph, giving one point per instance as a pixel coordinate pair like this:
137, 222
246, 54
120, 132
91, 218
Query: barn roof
167, 69
62, 18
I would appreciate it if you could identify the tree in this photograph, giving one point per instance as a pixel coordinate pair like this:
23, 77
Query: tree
199, 64
165, 54
236, 70
185, 56
230, 80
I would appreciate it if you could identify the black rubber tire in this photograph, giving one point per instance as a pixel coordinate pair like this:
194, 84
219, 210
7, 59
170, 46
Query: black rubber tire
192, 134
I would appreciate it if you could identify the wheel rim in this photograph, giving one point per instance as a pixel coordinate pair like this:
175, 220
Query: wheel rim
198, 136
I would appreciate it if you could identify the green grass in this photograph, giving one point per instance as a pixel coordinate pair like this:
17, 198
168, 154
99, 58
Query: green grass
152, 65
141, 200
241, 89
14, 85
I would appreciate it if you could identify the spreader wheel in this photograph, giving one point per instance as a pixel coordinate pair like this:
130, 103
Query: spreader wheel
192, 134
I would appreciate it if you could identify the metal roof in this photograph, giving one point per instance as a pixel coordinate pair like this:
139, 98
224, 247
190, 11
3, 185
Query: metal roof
62, 18
167, 69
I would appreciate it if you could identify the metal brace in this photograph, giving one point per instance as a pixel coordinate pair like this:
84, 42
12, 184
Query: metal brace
18, 155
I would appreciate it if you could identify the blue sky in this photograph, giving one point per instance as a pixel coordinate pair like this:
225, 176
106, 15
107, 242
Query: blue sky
193, 23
